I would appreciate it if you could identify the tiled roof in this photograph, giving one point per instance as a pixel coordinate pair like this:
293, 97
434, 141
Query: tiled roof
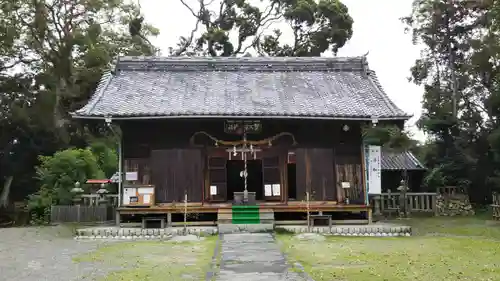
400, 161
342, 88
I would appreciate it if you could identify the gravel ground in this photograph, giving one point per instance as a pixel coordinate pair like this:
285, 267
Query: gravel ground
44, 253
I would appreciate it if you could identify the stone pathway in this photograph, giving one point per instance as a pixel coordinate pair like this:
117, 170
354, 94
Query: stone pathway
253, 257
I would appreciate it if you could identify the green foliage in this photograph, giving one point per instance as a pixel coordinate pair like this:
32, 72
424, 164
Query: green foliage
435, 178
317, 26
52, 55
58, 174
107, 158
461, 102
388, 136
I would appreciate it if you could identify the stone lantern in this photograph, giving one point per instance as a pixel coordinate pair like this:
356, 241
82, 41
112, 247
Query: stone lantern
77, 192
102, 194
403, 202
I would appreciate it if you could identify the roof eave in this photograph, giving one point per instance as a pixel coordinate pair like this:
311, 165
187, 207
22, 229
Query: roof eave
194, 116
402, 169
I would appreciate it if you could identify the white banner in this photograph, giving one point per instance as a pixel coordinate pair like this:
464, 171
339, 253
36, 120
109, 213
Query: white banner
374, 170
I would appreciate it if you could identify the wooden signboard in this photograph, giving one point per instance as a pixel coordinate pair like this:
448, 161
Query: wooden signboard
242, 126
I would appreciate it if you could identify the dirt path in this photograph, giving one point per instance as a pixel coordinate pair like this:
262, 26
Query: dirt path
39, 254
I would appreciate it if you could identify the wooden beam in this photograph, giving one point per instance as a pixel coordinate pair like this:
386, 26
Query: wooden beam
363, 174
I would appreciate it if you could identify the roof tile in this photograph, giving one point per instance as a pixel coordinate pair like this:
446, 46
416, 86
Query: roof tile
400, 161
292, 87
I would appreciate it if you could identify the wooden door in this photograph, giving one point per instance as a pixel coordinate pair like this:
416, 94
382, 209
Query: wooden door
271, 176
217, 177
315, 174
176, 172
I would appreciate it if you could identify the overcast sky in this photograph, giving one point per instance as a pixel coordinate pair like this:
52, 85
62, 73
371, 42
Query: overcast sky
377, 30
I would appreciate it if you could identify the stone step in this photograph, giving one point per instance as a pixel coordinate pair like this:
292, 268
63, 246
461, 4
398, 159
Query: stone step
267, 216
252, 228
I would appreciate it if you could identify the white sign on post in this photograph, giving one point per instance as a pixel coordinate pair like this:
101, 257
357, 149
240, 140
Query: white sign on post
374, 170
131, 176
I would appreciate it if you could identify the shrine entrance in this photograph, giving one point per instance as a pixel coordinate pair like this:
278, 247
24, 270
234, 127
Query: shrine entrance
236, 182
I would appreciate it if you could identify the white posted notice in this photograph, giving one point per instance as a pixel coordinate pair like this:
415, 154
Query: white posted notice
276, 189
268, 190
374, 170
213, 190
131, 176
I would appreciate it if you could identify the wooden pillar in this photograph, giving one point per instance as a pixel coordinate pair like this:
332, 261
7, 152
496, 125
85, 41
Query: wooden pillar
376, 203
363, 174
117, 218
169, 219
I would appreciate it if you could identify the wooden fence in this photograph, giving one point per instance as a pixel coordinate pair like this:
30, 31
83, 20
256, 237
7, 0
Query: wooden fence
495, 207
95, 199
417, 202
94, 208
79, 213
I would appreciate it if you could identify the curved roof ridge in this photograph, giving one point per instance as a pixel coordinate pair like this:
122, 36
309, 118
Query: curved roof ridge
178, 64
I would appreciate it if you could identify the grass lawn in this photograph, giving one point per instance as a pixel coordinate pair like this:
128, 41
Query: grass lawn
441, 249
153, 260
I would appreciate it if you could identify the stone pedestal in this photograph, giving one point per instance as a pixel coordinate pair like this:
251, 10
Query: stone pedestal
239, 198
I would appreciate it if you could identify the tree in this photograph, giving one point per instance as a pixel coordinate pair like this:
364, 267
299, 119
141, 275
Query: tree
52, 56
317, 27
58, 175
459, 73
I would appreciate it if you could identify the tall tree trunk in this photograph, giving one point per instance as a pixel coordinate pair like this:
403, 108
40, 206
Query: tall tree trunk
4, 196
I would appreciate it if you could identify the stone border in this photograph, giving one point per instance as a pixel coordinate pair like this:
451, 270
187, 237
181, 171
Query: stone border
167, 233
213, 266
379, 231
138, 233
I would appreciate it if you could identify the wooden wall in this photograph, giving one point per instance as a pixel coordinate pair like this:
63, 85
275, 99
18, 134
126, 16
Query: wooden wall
164, 155
177, 172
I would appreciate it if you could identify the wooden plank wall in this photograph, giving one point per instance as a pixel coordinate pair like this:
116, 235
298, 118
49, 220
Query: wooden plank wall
348, 168
176, 171
315, 174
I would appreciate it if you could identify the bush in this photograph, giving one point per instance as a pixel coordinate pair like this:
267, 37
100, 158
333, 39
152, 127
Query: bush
58, 175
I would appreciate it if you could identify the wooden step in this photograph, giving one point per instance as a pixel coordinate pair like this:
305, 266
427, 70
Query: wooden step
224, 216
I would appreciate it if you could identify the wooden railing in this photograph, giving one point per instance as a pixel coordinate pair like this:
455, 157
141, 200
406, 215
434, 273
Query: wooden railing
495, 207
448, 190
417, 202
95, 199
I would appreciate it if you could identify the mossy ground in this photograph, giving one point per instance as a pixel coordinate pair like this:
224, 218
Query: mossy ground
153, 260
440, 249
